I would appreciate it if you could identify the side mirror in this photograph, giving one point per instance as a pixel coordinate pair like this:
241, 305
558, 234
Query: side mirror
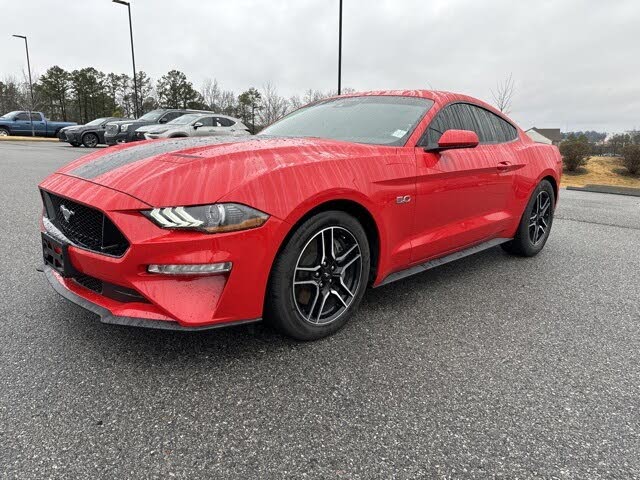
198, 124
457, 139
163, 120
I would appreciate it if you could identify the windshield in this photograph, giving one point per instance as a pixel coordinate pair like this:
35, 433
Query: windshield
184, 119
152, 116
376, 120
11, 114
97, 121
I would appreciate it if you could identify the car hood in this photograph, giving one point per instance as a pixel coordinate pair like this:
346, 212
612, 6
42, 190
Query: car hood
79, 128
154, 126
200, 170
135, 123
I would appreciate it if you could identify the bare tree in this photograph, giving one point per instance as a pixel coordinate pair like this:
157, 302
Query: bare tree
503, 94
313, 96
11, 94
274, 106
295, 102
211, 94
228, 103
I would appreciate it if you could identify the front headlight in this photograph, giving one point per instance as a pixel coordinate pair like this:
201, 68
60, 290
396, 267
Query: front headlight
124, 127
216, 218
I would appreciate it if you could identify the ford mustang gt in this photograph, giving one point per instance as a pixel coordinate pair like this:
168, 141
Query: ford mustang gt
293, 224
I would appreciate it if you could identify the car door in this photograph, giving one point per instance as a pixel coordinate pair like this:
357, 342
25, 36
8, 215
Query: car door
100, 131
221, 126
39, 124
227, 126
21, 124
208, 127
462, 194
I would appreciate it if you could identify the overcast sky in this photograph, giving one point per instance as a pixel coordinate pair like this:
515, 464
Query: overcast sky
575, 63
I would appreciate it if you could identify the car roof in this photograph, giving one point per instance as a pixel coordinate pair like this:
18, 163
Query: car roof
187, 110
211, 114
440, 97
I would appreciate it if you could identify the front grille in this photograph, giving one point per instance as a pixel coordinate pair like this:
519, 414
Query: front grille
84, 226
112, 129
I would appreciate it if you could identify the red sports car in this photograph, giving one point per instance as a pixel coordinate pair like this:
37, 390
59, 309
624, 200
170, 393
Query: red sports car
293, 224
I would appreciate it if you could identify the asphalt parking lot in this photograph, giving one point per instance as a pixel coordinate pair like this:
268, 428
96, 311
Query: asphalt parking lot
492, 366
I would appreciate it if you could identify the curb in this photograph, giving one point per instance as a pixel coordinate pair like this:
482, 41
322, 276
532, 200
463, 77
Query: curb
12, 138
629, 191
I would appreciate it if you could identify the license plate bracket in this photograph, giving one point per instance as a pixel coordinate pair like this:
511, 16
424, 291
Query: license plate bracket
56, 255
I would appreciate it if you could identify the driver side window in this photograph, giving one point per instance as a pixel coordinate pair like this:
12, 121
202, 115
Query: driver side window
464, 116
22, 116
453, 117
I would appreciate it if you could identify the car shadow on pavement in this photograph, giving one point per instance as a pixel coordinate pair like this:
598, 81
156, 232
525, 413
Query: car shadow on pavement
384, 312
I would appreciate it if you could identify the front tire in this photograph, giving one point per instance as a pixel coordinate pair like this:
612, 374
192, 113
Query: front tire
4, 132
535, 224
90, 140
319, 278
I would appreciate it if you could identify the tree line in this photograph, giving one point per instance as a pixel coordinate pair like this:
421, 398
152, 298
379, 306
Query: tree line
600, 143
85, 94
577, 147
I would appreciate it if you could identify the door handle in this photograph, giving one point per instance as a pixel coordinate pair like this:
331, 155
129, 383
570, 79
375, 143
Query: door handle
502, 166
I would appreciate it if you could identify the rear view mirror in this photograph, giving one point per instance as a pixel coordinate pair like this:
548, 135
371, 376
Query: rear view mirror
457, 139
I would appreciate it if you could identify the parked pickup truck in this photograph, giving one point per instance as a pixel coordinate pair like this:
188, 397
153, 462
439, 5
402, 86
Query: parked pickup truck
19, 123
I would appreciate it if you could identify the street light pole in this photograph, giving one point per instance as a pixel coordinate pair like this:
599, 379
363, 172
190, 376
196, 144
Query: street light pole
26, 46
133, 57
340, 49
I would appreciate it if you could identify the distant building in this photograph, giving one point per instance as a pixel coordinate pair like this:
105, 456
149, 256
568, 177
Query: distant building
550, 136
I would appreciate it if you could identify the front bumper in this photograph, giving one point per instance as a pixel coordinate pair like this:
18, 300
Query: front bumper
72, 137
174, 302
120, 137
131, 317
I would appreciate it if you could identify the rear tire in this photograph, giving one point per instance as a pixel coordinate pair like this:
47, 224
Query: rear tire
535, 224
90, 140
328, 258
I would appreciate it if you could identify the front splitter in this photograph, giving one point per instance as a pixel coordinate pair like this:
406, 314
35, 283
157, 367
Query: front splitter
109, 318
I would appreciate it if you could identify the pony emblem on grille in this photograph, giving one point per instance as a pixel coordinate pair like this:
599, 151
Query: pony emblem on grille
66, 213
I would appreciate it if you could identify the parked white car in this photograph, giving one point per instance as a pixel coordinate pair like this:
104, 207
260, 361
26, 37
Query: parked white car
195, 125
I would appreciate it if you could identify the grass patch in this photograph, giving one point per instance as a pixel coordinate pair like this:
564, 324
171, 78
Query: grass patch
601, 171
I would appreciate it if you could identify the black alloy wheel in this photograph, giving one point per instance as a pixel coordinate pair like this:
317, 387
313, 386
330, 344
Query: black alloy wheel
90, 140
535, 223
319, 276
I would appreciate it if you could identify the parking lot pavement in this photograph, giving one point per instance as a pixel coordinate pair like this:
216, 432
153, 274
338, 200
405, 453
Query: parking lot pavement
490, 366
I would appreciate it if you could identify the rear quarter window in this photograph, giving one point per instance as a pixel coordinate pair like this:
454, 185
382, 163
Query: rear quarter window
225, 122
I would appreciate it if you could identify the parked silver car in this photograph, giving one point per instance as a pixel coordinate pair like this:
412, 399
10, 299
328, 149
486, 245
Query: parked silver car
195, 125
